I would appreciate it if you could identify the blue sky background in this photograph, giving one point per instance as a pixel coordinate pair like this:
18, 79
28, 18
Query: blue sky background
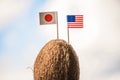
18, 37
97, 44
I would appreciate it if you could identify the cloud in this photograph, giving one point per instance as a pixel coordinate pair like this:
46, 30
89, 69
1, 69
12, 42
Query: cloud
9, 9
17, 74
14, 65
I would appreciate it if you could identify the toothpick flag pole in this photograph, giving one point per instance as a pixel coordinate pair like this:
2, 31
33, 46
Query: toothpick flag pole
68, 34
57, 27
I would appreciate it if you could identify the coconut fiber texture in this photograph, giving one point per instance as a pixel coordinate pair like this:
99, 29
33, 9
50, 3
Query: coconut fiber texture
57, 60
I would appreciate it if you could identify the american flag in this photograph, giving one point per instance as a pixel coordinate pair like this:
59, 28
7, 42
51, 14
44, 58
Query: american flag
75, 21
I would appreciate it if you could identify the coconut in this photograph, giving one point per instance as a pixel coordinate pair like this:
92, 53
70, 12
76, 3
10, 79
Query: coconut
57, 60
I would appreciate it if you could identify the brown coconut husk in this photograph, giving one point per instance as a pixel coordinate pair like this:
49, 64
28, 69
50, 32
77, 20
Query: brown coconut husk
57, 60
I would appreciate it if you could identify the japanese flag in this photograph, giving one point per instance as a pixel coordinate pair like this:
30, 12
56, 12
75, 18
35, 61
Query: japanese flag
48, 18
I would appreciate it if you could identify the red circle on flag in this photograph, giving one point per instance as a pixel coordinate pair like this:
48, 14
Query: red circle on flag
48, 17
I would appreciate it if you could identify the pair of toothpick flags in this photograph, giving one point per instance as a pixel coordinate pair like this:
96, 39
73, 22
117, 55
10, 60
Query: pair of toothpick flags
73, 21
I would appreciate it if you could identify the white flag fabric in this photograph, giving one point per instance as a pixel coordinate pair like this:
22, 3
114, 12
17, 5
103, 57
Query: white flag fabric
48, 18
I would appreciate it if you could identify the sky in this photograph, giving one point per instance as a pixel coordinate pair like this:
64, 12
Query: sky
97, 45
